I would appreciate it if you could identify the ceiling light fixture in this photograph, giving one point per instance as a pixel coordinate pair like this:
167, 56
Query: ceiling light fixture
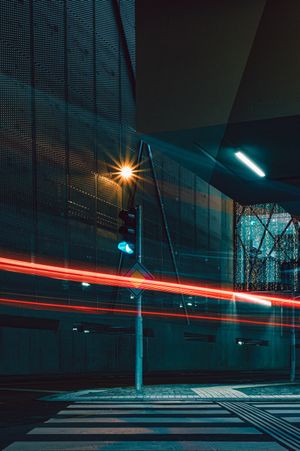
251, 165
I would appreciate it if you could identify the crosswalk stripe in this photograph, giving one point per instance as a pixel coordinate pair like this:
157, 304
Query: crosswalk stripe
143, 406
292, 419
141, 411
157, 419
148, 427
283, 410
151, 403
143, 430
276, 405
144, 446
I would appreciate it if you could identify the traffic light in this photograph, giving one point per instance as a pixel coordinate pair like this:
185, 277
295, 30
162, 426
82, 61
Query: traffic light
128, 231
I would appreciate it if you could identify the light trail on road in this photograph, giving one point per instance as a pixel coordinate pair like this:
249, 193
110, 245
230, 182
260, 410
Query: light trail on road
107, 279
99, 310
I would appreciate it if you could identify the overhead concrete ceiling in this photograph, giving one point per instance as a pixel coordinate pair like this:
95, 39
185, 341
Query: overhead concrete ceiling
214, 77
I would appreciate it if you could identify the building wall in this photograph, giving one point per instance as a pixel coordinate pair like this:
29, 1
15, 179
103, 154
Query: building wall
67, 113
29, 351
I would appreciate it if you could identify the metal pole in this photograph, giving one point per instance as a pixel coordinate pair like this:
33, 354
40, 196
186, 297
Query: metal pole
293, 348
293, 331
293, 345
130, 204
166, 227
139, 318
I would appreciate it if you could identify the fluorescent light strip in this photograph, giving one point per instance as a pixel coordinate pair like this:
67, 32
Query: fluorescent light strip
241, 156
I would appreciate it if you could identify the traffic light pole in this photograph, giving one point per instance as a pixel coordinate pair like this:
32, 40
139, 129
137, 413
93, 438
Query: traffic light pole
139, 317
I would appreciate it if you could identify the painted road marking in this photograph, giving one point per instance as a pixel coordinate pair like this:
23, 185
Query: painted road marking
157, 419
144, 446
144, 430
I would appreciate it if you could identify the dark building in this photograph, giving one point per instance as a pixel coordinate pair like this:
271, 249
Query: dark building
74, 104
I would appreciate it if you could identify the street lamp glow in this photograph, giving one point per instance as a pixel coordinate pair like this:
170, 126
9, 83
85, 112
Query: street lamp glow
251, 165
126, 172
85, 284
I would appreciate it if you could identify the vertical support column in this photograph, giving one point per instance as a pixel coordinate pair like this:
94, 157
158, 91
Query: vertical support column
139, 317
294, 288
293, 348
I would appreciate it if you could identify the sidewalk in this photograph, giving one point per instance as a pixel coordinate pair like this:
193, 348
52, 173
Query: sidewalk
245, 392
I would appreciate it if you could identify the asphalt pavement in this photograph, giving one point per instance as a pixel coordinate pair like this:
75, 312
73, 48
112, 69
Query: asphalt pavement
178, 417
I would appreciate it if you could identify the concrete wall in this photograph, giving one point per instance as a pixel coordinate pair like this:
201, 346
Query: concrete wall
62, 351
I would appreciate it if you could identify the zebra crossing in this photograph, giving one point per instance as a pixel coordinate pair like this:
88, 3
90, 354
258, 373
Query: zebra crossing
136, 426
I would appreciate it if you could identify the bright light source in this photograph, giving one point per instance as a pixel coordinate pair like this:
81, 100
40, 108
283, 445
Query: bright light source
241, 156
189, 304
263, 302
125, 247
126, 172
85, 284
86, 331
131, 296
240, 342
255, 299
75, 329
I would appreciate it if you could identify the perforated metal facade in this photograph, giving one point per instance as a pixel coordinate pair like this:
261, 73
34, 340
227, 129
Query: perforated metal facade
67, 111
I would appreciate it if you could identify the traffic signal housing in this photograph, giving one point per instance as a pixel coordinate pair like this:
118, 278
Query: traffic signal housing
128, 231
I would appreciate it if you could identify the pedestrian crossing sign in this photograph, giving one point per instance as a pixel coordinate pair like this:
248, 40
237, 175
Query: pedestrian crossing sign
138, 271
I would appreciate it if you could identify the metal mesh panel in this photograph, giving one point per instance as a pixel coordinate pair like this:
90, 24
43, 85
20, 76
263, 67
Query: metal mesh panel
61, 109
15, 129
266, 248
67, 112
50, 124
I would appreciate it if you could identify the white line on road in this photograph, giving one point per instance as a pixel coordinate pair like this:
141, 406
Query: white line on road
143, 406
283, 411
143, 430
291, 419
273, 405
141, 411
145, 446
158, 419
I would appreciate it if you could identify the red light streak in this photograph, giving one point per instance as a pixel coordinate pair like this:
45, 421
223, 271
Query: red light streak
98, 310
106, 279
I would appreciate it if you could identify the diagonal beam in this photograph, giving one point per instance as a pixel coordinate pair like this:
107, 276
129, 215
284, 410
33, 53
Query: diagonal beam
124, 45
